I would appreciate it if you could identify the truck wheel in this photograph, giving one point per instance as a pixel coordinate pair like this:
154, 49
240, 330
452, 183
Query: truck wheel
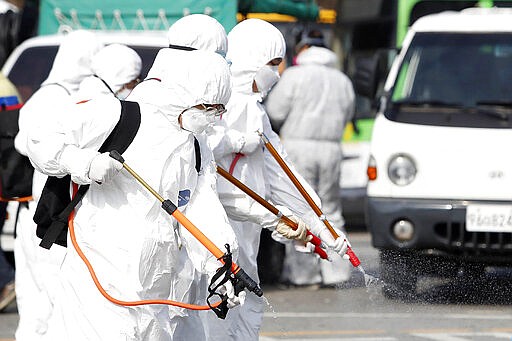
399, 274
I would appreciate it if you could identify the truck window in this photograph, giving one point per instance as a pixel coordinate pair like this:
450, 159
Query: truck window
469, 74
147, 54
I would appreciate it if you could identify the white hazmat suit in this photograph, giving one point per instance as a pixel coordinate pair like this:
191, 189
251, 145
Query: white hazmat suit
252, 44
311, 105
193, 32
137, 250
37, 269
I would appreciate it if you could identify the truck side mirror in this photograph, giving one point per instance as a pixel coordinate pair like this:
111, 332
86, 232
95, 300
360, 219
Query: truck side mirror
366, 77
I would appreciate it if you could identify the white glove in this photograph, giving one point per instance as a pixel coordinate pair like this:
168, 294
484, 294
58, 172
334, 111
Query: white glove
250, 142
340, 245
299, 234
233, 300
304, 248
103, 168
280, 238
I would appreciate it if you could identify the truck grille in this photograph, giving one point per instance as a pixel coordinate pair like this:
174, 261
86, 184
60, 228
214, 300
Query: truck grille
454, 236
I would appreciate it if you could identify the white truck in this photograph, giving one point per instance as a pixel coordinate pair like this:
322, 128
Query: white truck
439, 199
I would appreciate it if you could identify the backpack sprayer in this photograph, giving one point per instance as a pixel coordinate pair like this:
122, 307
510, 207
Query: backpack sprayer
352, 256
230, 270
241, 279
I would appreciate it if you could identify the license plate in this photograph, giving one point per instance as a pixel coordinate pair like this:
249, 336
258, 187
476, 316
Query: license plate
489, 218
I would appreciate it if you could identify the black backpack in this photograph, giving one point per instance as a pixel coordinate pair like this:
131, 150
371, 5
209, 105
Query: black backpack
55, 204
9, 28
15, 169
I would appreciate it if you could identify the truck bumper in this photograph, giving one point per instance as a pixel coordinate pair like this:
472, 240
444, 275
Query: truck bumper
439, 229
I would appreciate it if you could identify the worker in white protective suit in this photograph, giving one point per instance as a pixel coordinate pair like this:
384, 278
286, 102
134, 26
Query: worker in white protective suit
137, 250
255, 50
116, 70
38, 269
192, 32
202, 32
9, 97
310, 105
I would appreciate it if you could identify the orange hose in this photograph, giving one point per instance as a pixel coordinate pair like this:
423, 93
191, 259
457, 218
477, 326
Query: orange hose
202, 238
184, 221
121, 302
20, 199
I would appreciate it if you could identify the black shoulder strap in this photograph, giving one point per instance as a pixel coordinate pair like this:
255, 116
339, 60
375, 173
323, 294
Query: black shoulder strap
181, 47
197, 150
125, 130
104, 83
55, 206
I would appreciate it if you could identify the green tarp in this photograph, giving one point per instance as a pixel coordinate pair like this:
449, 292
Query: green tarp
56, 15
129, 14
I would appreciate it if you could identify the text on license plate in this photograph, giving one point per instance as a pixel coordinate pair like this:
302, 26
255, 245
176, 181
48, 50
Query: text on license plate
489, 218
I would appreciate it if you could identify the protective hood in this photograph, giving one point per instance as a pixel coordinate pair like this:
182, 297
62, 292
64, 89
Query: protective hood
317, 55
117, 65
187, 78
73, 60
199, 31
252, 44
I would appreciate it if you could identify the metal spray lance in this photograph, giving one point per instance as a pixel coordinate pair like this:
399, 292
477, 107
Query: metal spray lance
352, 256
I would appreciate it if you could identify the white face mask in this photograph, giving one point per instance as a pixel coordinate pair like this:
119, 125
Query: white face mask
197, 120
123, 93
265, 78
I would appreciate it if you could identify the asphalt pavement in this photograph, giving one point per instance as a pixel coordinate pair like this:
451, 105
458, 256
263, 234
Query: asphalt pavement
455, 310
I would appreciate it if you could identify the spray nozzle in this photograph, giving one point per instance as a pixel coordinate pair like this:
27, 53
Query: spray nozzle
353, 258
248, 282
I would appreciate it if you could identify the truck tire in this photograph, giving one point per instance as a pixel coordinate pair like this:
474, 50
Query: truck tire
399, 273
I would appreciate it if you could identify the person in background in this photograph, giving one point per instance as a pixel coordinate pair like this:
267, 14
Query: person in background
116, 70
7, 289
10, 18
8, 96
256, 48
310, 107
38, 269
307, 39
18, 22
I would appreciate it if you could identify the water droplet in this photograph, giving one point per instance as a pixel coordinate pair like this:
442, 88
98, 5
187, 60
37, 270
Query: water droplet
274, 314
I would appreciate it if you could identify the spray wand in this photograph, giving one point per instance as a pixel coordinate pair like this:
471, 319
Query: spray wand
243, 280
352, 256
315, 240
